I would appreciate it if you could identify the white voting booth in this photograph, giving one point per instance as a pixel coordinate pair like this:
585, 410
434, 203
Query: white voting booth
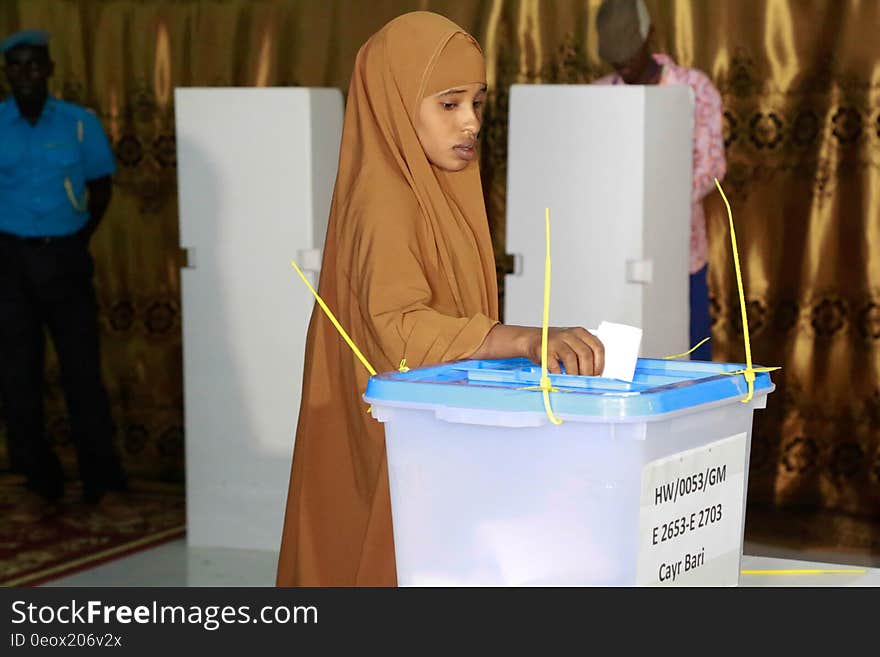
256, 173
613, 164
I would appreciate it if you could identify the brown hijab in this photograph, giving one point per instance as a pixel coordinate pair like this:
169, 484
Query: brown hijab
409, 271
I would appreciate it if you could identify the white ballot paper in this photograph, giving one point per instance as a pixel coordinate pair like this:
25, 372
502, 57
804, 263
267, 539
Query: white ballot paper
622, 343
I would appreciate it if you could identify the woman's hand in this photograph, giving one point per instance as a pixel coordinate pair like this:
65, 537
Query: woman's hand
576, 349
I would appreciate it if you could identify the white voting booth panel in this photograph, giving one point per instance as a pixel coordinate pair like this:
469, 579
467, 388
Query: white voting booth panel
613, 164
256, 171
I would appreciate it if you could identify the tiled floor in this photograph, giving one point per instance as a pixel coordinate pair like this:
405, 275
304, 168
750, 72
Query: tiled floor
173, 564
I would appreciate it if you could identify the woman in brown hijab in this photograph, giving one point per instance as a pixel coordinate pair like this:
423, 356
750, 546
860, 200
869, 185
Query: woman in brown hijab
409, 271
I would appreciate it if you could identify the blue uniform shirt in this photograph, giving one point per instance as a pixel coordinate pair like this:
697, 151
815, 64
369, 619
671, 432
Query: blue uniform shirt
44, 168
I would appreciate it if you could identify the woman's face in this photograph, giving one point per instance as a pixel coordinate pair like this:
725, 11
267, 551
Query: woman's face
448, 124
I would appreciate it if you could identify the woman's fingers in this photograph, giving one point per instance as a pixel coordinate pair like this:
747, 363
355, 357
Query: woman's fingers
585, 356
587, 348
596, 346
576, 349
567, 355
552, 361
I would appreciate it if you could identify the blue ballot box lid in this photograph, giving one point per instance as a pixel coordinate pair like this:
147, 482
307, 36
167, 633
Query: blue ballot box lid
659, 387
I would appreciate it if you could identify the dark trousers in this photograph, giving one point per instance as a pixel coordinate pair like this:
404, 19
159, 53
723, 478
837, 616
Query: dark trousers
47, 284
701, 322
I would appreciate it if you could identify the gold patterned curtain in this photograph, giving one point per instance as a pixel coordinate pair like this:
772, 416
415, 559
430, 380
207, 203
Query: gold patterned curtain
800, 81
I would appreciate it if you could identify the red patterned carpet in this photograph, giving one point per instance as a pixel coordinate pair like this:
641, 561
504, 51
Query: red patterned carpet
79, 537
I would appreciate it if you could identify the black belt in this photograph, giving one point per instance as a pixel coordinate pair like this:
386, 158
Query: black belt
37, 241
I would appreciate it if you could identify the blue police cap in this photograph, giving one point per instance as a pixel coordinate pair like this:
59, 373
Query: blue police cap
25, 38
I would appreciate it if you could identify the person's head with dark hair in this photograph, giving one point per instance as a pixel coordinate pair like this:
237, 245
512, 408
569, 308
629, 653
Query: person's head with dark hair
28, 67
625, 35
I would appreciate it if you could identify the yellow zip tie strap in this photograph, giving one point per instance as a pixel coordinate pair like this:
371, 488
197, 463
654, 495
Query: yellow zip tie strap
749, 372
357, 352
332, 317
545, 387
689, 351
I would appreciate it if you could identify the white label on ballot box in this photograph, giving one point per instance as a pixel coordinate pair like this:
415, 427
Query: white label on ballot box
690, 523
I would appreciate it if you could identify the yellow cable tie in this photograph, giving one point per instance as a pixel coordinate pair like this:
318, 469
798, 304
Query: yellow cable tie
546, 388
540, 388
689, 351
749, 371
329, 313
757, 370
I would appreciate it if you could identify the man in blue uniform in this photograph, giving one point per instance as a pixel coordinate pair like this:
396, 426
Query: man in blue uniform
55, 186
